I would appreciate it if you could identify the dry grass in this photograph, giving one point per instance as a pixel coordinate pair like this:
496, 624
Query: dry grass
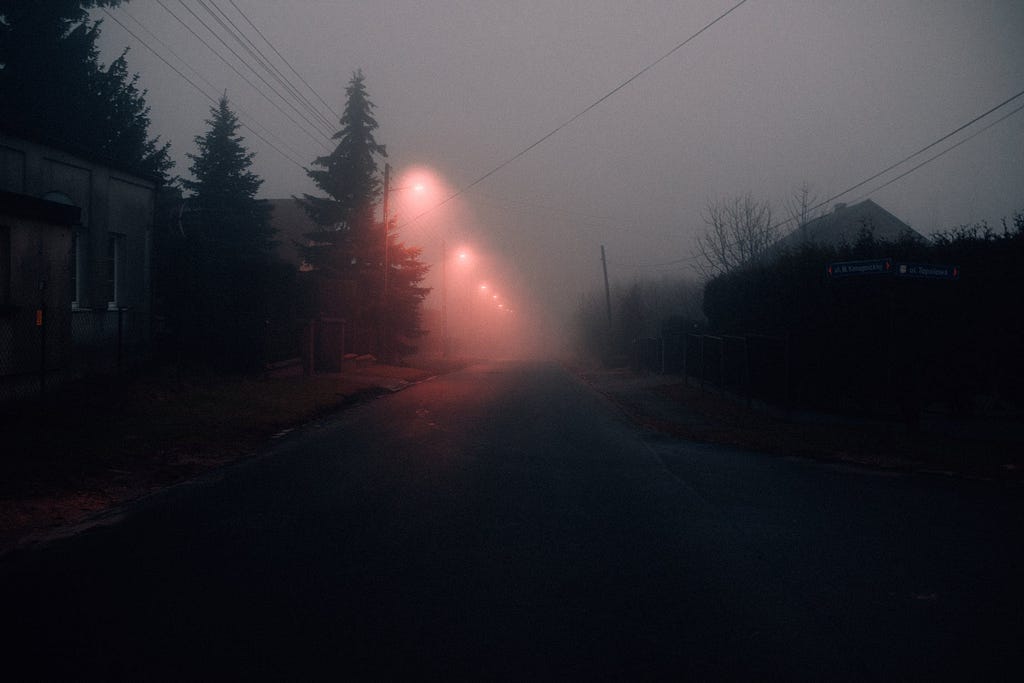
890, 445
98, 444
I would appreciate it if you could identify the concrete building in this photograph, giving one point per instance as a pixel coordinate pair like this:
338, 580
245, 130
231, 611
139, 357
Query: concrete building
99, 268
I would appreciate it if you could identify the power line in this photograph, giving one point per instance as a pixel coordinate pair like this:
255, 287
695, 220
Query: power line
199, 89
911, 156
195, 71
316, 138
948, 149
245, 63
287, 63
260, 59
582, 112
237, 72
898, 163
269, 65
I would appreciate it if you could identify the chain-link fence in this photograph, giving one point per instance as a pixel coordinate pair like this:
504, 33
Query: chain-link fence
40, 348
34, 351
750, 366
22, 349
107, 341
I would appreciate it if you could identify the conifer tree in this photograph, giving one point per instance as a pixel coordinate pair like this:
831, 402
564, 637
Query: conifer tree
348, 176
53, 86
233, 221
347, 249
228, 255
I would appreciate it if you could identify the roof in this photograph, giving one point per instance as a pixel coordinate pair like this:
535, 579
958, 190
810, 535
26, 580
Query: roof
845, 224
33, 208
61, 145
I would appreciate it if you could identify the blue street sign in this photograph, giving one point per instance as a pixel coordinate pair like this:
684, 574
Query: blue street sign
886, 266
927, 270
880, 266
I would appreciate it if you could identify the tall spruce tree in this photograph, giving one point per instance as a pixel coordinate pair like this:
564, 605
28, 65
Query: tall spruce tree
228, 256
53, 86
348, 176
347, 249
233, 221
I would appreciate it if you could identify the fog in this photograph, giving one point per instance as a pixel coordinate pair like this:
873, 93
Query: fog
776, 94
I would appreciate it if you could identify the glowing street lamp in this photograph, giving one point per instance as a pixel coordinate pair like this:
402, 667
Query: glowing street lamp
461, 256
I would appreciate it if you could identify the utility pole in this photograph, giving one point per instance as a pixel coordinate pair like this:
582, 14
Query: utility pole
608, 306
444, 298
384, 291
607, 292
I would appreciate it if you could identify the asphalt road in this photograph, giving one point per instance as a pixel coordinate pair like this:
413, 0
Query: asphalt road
507, 522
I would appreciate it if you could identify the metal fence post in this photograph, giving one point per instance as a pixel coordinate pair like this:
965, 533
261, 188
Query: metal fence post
311, 348
120, 336
41, 324
703, 365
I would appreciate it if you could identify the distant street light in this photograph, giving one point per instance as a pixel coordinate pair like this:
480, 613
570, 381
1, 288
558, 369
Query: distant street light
463, 257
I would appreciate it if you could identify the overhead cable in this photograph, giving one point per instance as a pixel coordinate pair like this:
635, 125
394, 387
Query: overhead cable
911, 156
898, 163
949, 149
581, 113
214, 88
199, 89
286, 62
318, 138
249, 66
318, 120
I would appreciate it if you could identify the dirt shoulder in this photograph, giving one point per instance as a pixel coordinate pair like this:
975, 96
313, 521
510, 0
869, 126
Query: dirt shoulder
96, 445
671, 405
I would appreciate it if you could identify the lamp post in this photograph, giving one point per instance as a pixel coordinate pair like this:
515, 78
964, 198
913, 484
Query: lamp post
384, 292
385, 206
462, 256
444, 299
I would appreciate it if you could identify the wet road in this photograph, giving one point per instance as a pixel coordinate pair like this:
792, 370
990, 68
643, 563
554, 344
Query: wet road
507, 522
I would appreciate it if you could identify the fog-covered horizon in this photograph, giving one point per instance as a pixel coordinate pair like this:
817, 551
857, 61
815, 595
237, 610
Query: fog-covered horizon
776, 94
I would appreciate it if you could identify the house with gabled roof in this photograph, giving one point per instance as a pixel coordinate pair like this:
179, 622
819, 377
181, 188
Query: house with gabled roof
845, 224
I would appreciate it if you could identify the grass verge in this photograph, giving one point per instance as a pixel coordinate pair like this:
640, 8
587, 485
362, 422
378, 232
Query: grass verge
101, 443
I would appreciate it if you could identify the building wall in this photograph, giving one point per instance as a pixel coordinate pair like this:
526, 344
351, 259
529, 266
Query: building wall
35, 319
113, 243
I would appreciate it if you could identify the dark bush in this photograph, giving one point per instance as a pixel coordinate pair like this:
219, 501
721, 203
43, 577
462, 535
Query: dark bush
885, 343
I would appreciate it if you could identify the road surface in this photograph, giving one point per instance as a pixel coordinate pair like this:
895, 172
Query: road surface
506, 522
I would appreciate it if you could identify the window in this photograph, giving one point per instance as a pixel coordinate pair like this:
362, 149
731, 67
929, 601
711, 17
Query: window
116, 262
5, 265
79, 242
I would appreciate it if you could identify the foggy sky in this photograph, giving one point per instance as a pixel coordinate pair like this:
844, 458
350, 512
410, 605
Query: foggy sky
778, 93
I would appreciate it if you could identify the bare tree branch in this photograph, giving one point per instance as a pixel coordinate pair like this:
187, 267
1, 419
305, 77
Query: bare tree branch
740, 229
